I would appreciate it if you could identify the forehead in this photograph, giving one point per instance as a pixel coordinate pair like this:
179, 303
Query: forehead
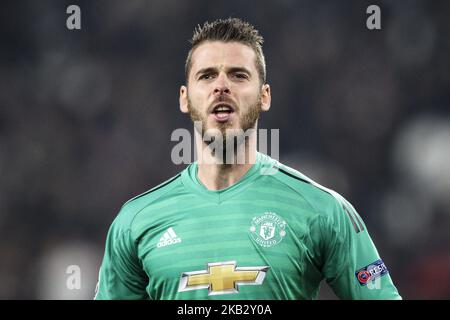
223, 54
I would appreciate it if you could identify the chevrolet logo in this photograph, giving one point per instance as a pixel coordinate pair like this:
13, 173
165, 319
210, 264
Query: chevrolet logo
222, 278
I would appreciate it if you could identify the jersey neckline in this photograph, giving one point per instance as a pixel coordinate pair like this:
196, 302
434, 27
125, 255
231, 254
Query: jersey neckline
191, 182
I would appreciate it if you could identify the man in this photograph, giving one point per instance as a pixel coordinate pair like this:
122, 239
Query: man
224, 229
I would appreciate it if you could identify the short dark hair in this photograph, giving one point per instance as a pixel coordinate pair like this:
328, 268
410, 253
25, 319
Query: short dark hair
229, 30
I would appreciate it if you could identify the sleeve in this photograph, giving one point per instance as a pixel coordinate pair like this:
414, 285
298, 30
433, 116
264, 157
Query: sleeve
121, 274
352, 266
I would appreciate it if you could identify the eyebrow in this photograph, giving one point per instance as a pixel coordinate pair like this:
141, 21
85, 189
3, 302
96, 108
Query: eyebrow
214, 69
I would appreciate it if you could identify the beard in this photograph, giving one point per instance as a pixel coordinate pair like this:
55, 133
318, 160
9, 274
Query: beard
247, 120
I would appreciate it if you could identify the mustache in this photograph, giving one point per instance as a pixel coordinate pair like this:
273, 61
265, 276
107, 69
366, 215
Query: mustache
223, 100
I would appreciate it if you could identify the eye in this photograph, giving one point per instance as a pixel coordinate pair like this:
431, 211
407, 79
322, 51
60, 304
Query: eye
205, 76
241, 75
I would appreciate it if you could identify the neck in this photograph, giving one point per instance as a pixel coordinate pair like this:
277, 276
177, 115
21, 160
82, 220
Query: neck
216, 172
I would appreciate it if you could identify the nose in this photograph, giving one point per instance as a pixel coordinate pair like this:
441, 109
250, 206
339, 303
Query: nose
221, 90
221, 86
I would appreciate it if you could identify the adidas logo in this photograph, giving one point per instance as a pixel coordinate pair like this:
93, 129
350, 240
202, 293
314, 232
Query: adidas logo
169, 237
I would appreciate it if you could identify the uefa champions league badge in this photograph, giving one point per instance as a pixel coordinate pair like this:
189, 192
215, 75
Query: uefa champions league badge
371, 272
268, 229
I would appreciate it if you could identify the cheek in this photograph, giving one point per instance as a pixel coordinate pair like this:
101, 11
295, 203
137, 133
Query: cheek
249, 98
197, 98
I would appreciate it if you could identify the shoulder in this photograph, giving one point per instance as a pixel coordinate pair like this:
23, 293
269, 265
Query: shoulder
330, 207
318, 196
149, 196
324, 201
131, 208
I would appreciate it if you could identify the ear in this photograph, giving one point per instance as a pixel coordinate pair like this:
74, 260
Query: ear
265, 97
183, 99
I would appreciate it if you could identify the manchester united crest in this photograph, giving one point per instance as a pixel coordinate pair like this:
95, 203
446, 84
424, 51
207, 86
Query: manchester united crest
268, 229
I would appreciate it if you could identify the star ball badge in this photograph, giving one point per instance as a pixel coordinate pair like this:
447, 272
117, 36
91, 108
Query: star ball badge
268, 229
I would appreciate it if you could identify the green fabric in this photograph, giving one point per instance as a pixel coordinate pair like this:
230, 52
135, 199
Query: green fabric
279, 221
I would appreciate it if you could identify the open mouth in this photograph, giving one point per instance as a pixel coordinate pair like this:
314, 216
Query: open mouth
222, 112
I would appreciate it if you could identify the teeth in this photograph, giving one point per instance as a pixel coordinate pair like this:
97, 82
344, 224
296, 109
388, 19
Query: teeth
222, 108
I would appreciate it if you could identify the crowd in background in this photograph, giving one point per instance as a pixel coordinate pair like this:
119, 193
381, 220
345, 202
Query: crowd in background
86, 118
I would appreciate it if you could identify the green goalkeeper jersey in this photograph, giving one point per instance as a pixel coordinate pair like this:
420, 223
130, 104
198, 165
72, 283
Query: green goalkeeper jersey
274, 234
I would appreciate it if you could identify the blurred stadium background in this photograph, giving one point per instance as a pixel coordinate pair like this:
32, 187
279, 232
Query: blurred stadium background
86, 118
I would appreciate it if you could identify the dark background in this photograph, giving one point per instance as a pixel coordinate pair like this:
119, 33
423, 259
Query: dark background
86, 118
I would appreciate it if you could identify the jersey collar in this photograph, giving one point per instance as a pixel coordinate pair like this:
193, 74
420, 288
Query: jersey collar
191, 182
